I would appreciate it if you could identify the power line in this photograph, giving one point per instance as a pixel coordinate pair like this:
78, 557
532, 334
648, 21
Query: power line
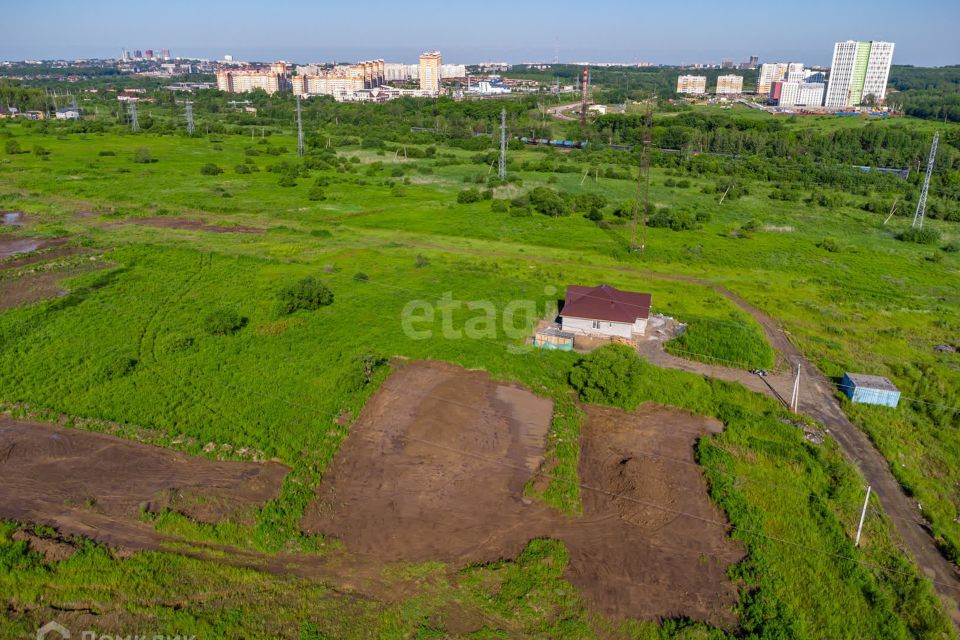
134, 122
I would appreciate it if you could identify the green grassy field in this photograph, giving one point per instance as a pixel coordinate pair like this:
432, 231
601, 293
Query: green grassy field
128, 345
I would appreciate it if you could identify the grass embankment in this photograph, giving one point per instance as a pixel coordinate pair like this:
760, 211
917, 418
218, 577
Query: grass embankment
723, 342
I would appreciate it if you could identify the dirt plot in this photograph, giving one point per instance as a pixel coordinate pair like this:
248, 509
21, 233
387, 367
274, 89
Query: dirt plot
191, 225
434, 469
94, 484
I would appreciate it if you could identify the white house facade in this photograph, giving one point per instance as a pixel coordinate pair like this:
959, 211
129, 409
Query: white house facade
604, 311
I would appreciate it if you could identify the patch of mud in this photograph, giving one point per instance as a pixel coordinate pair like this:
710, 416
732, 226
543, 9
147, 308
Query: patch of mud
47, 251
435, 466
14, 245
13, 219
94, 484
31, 288
163, 222
52, 549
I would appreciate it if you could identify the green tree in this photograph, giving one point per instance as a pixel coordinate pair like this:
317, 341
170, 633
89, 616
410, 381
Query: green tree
610, 375
308, 293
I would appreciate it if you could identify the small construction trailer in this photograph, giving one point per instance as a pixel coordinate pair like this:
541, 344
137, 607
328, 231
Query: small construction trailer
867, 389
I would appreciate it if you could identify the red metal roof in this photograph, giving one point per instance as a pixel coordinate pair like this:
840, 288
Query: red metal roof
605, 303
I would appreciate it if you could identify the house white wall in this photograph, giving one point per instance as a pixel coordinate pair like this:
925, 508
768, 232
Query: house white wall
602, 327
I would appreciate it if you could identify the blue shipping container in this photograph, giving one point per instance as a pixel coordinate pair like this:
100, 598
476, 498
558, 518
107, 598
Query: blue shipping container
870, 389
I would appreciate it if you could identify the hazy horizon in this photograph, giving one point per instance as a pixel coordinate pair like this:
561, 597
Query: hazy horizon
610, 31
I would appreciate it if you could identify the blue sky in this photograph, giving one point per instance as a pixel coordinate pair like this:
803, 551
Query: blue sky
664, 31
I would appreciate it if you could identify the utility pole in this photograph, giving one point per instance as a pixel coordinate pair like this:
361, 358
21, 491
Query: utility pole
134, 123
643, 185
795, 398
299, 130
189, 115
863, 514
922, 203
502, 168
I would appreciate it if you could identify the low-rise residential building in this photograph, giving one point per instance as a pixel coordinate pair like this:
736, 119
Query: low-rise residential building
68, 113
604, 311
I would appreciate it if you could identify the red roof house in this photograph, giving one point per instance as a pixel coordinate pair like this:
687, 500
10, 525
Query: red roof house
605, 311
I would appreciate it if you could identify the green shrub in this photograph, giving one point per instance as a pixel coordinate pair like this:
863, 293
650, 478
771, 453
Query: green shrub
308, 294
316, 194
548, 202
13, 147
469, 195
672, 219
952, 247
287, 180
499, 206
421, 261
830, 244
320, 233
210, 169
730, 343
103, 153
142, 155
223, 321
243, 168
610, 375
923, 235
360, 276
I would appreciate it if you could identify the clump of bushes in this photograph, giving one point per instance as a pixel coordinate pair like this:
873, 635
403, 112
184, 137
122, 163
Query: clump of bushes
223, 321
308, 294
951, 247
610, 375
316, 194
470, 195
676, 220
102, 154
922, 235
142, 155
548, 202
210, 169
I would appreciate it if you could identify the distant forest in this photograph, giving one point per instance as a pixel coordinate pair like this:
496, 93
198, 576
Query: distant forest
925, 92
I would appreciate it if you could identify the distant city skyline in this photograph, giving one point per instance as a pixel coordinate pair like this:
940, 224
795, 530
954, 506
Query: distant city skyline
682, 32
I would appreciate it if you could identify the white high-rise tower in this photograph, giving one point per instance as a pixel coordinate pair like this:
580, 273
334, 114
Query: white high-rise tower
859, 73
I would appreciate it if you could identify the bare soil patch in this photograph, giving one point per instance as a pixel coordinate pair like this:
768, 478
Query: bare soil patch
94, 484
31, 288
164, 222
435, 466
11, 245
45, 251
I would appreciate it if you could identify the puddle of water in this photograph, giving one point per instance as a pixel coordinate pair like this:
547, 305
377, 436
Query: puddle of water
14, 219
12, 248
